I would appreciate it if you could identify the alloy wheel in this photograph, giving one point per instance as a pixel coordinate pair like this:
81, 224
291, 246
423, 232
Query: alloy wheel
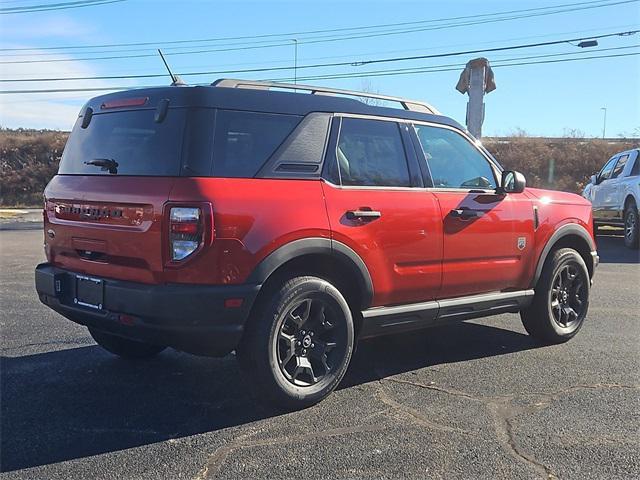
568, 299
630, 225
311, 342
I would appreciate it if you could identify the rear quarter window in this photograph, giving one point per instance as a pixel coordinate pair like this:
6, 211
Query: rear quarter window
133, 139
244, 141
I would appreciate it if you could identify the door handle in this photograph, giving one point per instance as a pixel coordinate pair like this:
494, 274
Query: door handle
363, 214
464, 213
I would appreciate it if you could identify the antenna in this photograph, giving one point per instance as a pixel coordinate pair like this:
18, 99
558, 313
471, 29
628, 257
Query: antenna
175, 80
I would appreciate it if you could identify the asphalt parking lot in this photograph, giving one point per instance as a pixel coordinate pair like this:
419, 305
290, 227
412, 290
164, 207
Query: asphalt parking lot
473, 400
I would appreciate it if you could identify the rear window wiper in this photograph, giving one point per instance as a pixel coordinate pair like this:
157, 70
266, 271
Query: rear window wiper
105, 164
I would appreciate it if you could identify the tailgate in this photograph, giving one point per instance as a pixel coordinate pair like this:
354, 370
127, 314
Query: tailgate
107, 226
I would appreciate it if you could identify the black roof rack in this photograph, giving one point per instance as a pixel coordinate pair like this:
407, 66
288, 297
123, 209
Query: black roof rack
407, 104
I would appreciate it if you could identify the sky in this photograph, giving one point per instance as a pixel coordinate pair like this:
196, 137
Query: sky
544, 99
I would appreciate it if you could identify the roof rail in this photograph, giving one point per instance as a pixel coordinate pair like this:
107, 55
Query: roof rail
407, 104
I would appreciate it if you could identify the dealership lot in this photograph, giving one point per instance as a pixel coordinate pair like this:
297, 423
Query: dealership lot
472, 400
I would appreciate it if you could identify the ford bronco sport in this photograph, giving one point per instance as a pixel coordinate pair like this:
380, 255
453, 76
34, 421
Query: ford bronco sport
283, 225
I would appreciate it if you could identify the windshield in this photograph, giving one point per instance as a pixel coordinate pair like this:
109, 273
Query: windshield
130, 141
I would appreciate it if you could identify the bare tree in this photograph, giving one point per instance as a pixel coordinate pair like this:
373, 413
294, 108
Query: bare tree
367, 87
572, 133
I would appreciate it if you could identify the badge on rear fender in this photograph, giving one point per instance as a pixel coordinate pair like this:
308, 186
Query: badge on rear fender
522, 242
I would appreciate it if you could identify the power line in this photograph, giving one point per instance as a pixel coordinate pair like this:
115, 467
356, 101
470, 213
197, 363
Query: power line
604, 3
318, 40
445, 67
8, 2
222, 72
306, 41
333, 64
338, 76
353, 56
46, 7
448, 69
255, 44
581, 31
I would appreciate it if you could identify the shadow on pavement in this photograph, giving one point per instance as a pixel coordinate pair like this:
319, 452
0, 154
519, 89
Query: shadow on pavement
21, 226
74, 403
612, 250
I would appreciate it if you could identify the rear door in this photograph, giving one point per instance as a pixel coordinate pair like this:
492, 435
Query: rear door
378, 206
600, 188
487, 237
104, 210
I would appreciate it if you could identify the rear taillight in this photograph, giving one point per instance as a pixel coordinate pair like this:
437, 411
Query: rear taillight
186, 231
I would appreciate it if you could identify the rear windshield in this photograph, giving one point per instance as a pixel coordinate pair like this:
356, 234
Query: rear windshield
132, 139
222, 143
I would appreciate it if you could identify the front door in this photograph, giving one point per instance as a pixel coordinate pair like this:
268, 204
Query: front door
378, 206
611, 191
488, 242
487, 237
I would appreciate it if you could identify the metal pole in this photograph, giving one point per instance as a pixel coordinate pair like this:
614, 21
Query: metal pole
295, 61
604, 122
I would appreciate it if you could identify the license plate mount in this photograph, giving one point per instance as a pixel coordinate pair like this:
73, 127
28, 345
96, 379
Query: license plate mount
89, 292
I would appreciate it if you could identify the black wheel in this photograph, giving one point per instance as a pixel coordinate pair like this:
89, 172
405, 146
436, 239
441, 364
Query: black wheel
631, 225
298, 342
561, 300
123, 347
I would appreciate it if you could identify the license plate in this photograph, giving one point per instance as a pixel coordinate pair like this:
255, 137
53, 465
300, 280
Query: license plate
89, 292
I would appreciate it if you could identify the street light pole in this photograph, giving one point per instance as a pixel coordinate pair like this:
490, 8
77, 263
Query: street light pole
604, 122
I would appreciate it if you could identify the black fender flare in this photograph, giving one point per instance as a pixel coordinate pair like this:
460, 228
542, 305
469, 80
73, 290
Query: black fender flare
563, 231
316, 246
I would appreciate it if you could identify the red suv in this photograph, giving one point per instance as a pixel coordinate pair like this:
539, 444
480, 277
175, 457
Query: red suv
283, 225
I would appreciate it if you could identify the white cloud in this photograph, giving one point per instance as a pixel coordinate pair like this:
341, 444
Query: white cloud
41, 114
45, 110
58, 26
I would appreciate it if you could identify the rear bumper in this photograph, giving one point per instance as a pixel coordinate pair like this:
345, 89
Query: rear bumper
191, 318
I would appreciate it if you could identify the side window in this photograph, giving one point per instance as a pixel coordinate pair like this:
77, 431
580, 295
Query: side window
635, 171
618, 169
453, 161
244, 141
605, 173
371, 153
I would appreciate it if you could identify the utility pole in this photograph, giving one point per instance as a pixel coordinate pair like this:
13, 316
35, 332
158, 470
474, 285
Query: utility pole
604, 122
475, 80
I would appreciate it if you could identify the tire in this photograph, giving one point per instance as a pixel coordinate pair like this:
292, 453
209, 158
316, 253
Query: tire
123, 347
561, 299
298, 343
631, 225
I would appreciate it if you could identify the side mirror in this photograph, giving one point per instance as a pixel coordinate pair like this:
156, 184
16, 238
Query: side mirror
512, 182
594, 179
